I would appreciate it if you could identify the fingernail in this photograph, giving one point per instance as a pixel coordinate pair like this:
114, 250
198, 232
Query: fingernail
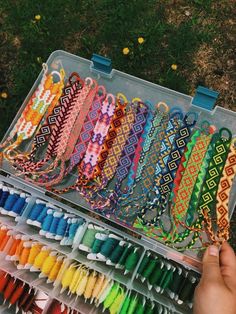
213, 250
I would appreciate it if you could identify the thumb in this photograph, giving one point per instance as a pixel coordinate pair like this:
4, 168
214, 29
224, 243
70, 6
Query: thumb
211, 265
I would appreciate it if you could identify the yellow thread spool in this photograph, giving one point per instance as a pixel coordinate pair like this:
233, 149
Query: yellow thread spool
55, 270
90, 285
82, 285
68, 276
48, 264
76, 279
34, 251
98, 286
38, 262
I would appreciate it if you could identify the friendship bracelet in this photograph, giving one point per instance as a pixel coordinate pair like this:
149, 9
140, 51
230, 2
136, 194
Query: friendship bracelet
45, 96
70, 92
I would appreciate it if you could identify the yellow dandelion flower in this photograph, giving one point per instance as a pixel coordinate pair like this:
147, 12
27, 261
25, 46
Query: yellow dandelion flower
174, 67
125, 51
37, 17
4, 95
140, 40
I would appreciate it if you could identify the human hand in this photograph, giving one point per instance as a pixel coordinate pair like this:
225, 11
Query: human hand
216, 292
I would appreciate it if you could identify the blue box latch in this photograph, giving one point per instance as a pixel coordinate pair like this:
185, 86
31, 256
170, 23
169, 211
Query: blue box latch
101, 63
205, 98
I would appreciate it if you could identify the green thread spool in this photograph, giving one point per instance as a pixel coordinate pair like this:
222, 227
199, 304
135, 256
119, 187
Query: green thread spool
110, 298
98, 242
125, 305
124, 255
167, 280
175, 285
156, 274
186, 293
108, 246
115, 255
140, 308
149, 309
132, 260
89, 237
132, 305
144, 263
150, 267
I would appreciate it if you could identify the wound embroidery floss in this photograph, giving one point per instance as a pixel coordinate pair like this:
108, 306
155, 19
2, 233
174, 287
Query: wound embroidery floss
45, 96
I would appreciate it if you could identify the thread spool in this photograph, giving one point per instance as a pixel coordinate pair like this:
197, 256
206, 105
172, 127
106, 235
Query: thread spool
75, 224
39, 220
39, 259
34, 251
48, 264
12, 198
132, 261
143, 264
55, 269
35, 212
54, 224
89, 237
156, 274
149, 269
19, 206
78, 234
23, 259
46, 223
108, 246
175, 285
61, 227
165, 273
115, 255
4, 196
167, 280
187, 291
97, 245
124, 255
125, 304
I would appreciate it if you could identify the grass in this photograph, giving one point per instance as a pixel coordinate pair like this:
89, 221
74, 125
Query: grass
196, 35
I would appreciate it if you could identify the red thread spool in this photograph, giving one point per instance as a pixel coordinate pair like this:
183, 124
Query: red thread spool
9, 288
17, 293
3, 281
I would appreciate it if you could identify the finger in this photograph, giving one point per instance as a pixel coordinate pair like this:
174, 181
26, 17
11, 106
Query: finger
228, 265
211, 265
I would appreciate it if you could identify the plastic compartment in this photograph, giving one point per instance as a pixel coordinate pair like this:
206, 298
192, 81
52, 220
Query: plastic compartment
73, 253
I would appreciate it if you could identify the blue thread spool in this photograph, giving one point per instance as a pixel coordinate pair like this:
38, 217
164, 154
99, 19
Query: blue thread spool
75, 223
108, 247
11, 200
61, 227
19, 206
35, 211
4, 196
39, 220
47, 222
53, 227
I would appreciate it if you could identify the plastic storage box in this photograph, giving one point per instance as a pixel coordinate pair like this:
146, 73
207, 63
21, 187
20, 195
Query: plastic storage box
115, 82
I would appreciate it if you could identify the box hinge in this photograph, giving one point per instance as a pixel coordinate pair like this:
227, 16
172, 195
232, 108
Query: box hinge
101, 64
205, 98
